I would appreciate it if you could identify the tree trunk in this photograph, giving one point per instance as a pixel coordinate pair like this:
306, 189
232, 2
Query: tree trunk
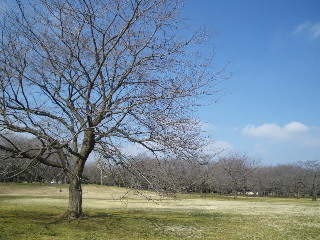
101, 177
314, 193
314, 188
235, 194
314, 197
75, 199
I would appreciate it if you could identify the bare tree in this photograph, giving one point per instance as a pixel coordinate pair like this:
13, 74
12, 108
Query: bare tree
237, 169
15, 167
313, 169
96, 75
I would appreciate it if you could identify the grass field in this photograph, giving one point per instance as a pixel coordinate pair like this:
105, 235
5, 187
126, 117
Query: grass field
33, 211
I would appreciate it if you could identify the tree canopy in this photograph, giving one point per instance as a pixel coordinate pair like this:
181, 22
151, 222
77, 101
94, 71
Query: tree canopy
79, 76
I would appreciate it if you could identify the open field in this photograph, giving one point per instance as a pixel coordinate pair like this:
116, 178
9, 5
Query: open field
32, 211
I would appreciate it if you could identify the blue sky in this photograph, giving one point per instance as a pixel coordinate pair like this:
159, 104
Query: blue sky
272, 107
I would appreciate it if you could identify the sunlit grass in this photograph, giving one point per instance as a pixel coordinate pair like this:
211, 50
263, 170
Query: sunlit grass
34, 212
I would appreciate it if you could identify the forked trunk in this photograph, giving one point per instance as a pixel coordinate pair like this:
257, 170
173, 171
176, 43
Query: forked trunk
75, 199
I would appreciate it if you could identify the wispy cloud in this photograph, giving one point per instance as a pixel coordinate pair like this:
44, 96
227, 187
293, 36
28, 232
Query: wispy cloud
315, 30
312, 30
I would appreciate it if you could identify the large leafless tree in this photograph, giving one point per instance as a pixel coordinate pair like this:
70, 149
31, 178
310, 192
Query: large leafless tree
86, 75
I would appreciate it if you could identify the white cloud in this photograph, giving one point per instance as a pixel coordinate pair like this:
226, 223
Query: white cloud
312, 30
275, 133
293, 141
295, 127
264, 131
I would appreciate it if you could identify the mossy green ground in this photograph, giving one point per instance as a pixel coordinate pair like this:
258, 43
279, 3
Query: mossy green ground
33, 211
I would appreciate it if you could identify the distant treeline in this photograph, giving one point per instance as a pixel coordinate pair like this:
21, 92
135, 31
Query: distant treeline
235, 174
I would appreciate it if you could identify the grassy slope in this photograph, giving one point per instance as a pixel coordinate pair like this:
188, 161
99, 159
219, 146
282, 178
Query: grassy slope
31, 211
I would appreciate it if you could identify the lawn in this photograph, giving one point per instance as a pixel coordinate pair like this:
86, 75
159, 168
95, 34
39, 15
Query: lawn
33, 211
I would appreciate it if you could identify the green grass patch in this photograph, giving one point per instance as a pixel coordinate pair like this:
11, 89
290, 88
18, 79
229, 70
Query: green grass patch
38, 216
